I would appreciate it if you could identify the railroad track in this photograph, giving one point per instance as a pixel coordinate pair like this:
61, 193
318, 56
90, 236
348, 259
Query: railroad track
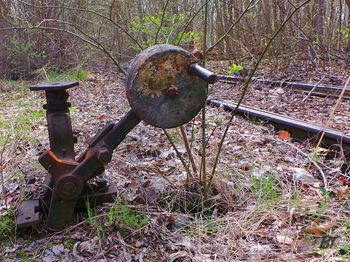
312, 89
298, 129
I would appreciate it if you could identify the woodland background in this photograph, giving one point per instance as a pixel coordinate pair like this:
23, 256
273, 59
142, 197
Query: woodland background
56, 35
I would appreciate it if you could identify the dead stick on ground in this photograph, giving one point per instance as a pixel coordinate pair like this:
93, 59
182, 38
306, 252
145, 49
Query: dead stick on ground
313, 89
329, 121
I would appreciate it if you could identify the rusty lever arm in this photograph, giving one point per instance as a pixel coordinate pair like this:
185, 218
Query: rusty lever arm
203, 73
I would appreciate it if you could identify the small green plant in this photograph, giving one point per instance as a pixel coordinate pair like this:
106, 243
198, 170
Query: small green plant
7, 226
94, 222
254, 120
326, 197
234, 69
69, 244
121, 214
79, 75
22, 47
345, 32
266, 188
219, 120
218, 71
24, 256
212, 227
317, 156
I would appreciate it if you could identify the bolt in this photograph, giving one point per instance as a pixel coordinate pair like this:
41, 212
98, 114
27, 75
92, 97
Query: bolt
69, 188
197, 54
173, 91
104, 155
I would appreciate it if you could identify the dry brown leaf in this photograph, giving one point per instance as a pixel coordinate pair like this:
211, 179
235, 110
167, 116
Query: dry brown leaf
318, 230
342, 191
343, 181
284, 135
102, 117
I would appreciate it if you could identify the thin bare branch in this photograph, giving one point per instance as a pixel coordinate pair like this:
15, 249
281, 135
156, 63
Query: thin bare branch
190, 21
249, 7
92, 12
161, 22
246, 85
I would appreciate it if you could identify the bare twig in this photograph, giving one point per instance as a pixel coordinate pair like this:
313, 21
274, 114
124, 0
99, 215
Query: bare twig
311, 161
329, 121
178, 153
161, 22
203, 166
90, 42
190, 21
91, 12
188, 149
313, 89
249, 6
245, 89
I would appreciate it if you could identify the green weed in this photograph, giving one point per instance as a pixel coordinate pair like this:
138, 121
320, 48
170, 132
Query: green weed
94, 222
234, 69
323, 206
266, 188
19, 125
69, 244
122, 214
24, 256
7, 229
317, 156
7, 226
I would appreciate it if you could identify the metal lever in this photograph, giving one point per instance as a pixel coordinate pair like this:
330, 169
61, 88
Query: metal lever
203, 73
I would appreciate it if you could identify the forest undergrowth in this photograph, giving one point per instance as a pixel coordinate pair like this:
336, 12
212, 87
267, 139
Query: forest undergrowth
267, 201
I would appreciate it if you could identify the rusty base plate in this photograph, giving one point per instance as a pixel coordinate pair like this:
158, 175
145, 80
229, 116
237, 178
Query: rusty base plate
32, 213
161, 88
28, 214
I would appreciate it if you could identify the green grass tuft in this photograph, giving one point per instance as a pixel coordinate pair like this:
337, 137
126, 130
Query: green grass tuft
266, 188
76, 75
122, 214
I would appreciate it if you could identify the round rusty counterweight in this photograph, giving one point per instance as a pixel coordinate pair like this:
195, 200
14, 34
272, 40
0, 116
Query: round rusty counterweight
161, 88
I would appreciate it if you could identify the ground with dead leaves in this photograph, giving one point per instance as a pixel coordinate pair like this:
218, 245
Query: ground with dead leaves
267, 203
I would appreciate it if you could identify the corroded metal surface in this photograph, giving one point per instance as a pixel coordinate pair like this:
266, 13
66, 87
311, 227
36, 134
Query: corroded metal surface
161, 88
165, 88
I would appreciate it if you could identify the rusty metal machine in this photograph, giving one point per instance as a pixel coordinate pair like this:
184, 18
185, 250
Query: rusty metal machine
165, 87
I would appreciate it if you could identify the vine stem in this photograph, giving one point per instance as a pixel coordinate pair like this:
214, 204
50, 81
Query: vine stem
205, 187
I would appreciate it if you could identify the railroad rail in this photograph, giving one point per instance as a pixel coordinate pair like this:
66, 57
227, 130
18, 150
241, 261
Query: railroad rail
313, 89
299, 130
